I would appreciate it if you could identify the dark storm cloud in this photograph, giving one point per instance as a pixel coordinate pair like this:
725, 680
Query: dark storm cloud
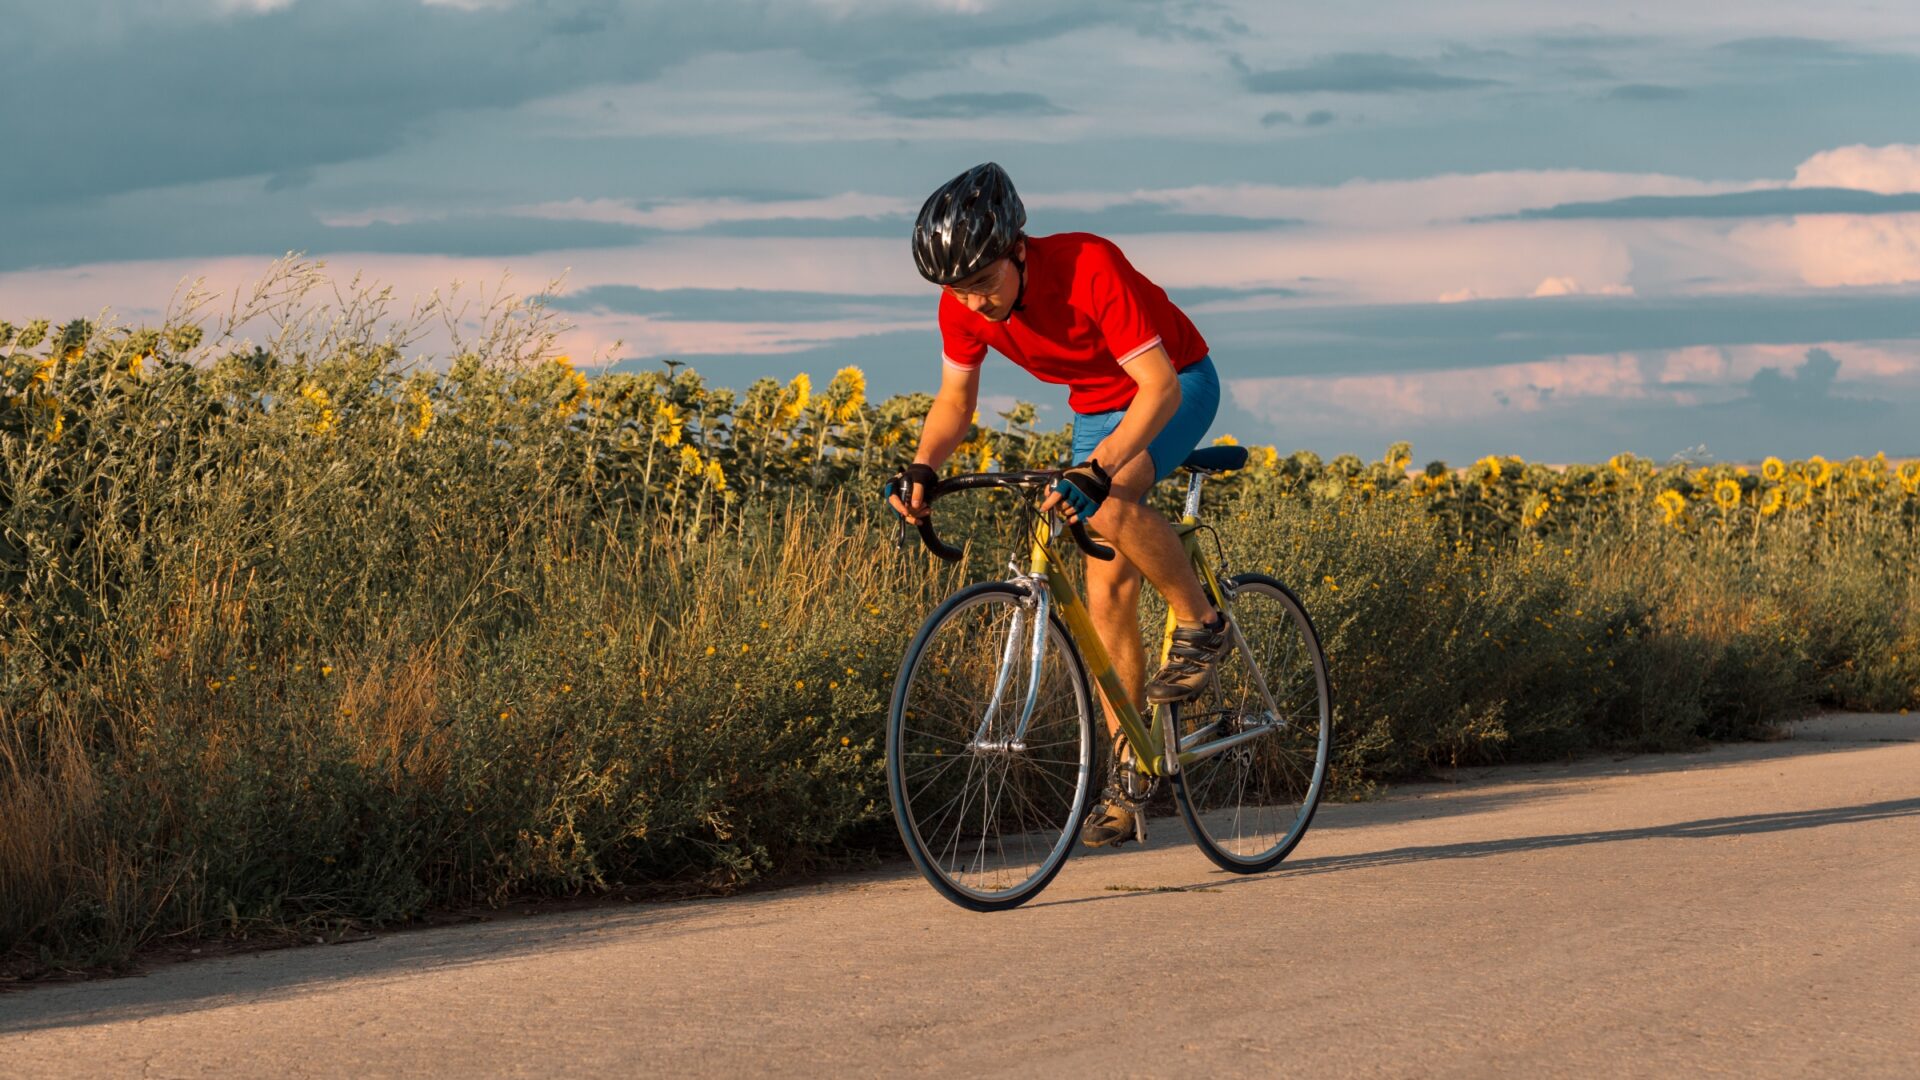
1807, 391
1359, 73
1645, 92
171, 99
968, 106
1764, 203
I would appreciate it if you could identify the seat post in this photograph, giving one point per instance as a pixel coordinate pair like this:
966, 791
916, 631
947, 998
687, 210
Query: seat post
1193, 495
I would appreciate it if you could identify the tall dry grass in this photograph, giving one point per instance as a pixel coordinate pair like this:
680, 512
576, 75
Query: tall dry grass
309, 635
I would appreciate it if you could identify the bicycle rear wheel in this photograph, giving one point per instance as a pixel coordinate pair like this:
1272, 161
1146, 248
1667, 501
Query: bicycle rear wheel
990, 811
1249, 804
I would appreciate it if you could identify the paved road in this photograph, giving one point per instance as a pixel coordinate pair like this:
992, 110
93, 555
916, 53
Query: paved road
1747, 910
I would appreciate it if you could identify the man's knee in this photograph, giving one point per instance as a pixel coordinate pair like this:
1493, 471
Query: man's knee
1113, 585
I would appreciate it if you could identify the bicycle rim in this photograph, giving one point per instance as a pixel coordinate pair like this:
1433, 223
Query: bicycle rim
989, 815
1248, 805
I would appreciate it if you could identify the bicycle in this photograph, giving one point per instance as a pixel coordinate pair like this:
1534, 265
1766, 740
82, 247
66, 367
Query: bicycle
990, 740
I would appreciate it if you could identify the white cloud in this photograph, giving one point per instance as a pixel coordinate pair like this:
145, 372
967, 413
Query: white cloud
683, 214
1890, 170
1831, 250
1687, 376
1566, 286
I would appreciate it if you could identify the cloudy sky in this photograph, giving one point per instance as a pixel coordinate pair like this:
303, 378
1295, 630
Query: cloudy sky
1552, 229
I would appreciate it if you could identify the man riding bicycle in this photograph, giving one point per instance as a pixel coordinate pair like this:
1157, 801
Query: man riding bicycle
1070, 309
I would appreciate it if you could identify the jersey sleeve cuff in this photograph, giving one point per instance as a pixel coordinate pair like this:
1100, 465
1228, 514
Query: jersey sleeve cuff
1134, 353
951, 362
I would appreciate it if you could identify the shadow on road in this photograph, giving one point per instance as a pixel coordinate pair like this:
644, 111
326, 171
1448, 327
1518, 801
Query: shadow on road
1457, 793
1703, 829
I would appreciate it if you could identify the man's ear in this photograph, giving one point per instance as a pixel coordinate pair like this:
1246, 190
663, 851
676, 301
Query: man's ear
1020, 248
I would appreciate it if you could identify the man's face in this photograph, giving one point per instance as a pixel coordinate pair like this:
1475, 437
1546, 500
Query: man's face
992, 291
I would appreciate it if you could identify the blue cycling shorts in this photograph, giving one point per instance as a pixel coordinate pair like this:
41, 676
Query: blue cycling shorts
1199, 401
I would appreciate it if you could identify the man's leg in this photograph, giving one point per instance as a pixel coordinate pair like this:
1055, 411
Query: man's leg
1148, 541
1149, 544
1113, 602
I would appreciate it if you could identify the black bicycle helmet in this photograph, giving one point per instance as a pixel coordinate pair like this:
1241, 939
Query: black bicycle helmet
969, 222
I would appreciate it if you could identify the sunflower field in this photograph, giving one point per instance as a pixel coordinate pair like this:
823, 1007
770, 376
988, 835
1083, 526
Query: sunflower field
314, 635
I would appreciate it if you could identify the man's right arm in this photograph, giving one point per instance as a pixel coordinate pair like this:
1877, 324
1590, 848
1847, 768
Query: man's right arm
946, 427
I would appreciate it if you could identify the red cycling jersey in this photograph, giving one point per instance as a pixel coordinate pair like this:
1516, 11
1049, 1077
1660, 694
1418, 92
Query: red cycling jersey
1086, 313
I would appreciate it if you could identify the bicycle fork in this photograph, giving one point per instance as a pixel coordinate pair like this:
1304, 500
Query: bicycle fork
1039, 602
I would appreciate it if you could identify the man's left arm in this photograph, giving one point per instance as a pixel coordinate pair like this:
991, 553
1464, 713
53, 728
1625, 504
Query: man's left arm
1155, 403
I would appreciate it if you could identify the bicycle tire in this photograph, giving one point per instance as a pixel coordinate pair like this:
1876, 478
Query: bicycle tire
927, 717
1248, 807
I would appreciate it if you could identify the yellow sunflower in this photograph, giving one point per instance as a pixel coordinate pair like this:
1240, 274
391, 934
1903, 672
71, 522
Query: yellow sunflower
1819, 471
668, 420
1771, 502
1672, 505
1910, 475
1726, 493
1773, 469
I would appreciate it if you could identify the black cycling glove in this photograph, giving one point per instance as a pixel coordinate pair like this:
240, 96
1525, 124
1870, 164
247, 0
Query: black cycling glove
1085, 487
901, 483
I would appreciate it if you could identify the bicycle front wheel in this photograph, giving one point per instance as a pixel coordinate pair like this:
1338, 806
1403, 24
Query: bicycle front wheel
1249, 803
990, 747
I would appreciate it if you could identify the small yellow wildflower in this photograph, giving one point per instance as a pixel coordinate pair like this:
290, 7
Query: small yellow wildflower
326, 669
422, 414
711, 650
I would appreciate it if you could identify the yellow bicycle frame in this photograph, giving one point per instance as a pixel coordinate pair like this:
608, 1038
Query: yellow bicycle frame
1148, 742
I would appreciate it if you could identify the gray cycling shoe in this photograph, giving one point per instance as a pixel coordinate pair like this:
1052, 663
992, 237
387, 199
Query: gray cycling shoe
1190, 662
